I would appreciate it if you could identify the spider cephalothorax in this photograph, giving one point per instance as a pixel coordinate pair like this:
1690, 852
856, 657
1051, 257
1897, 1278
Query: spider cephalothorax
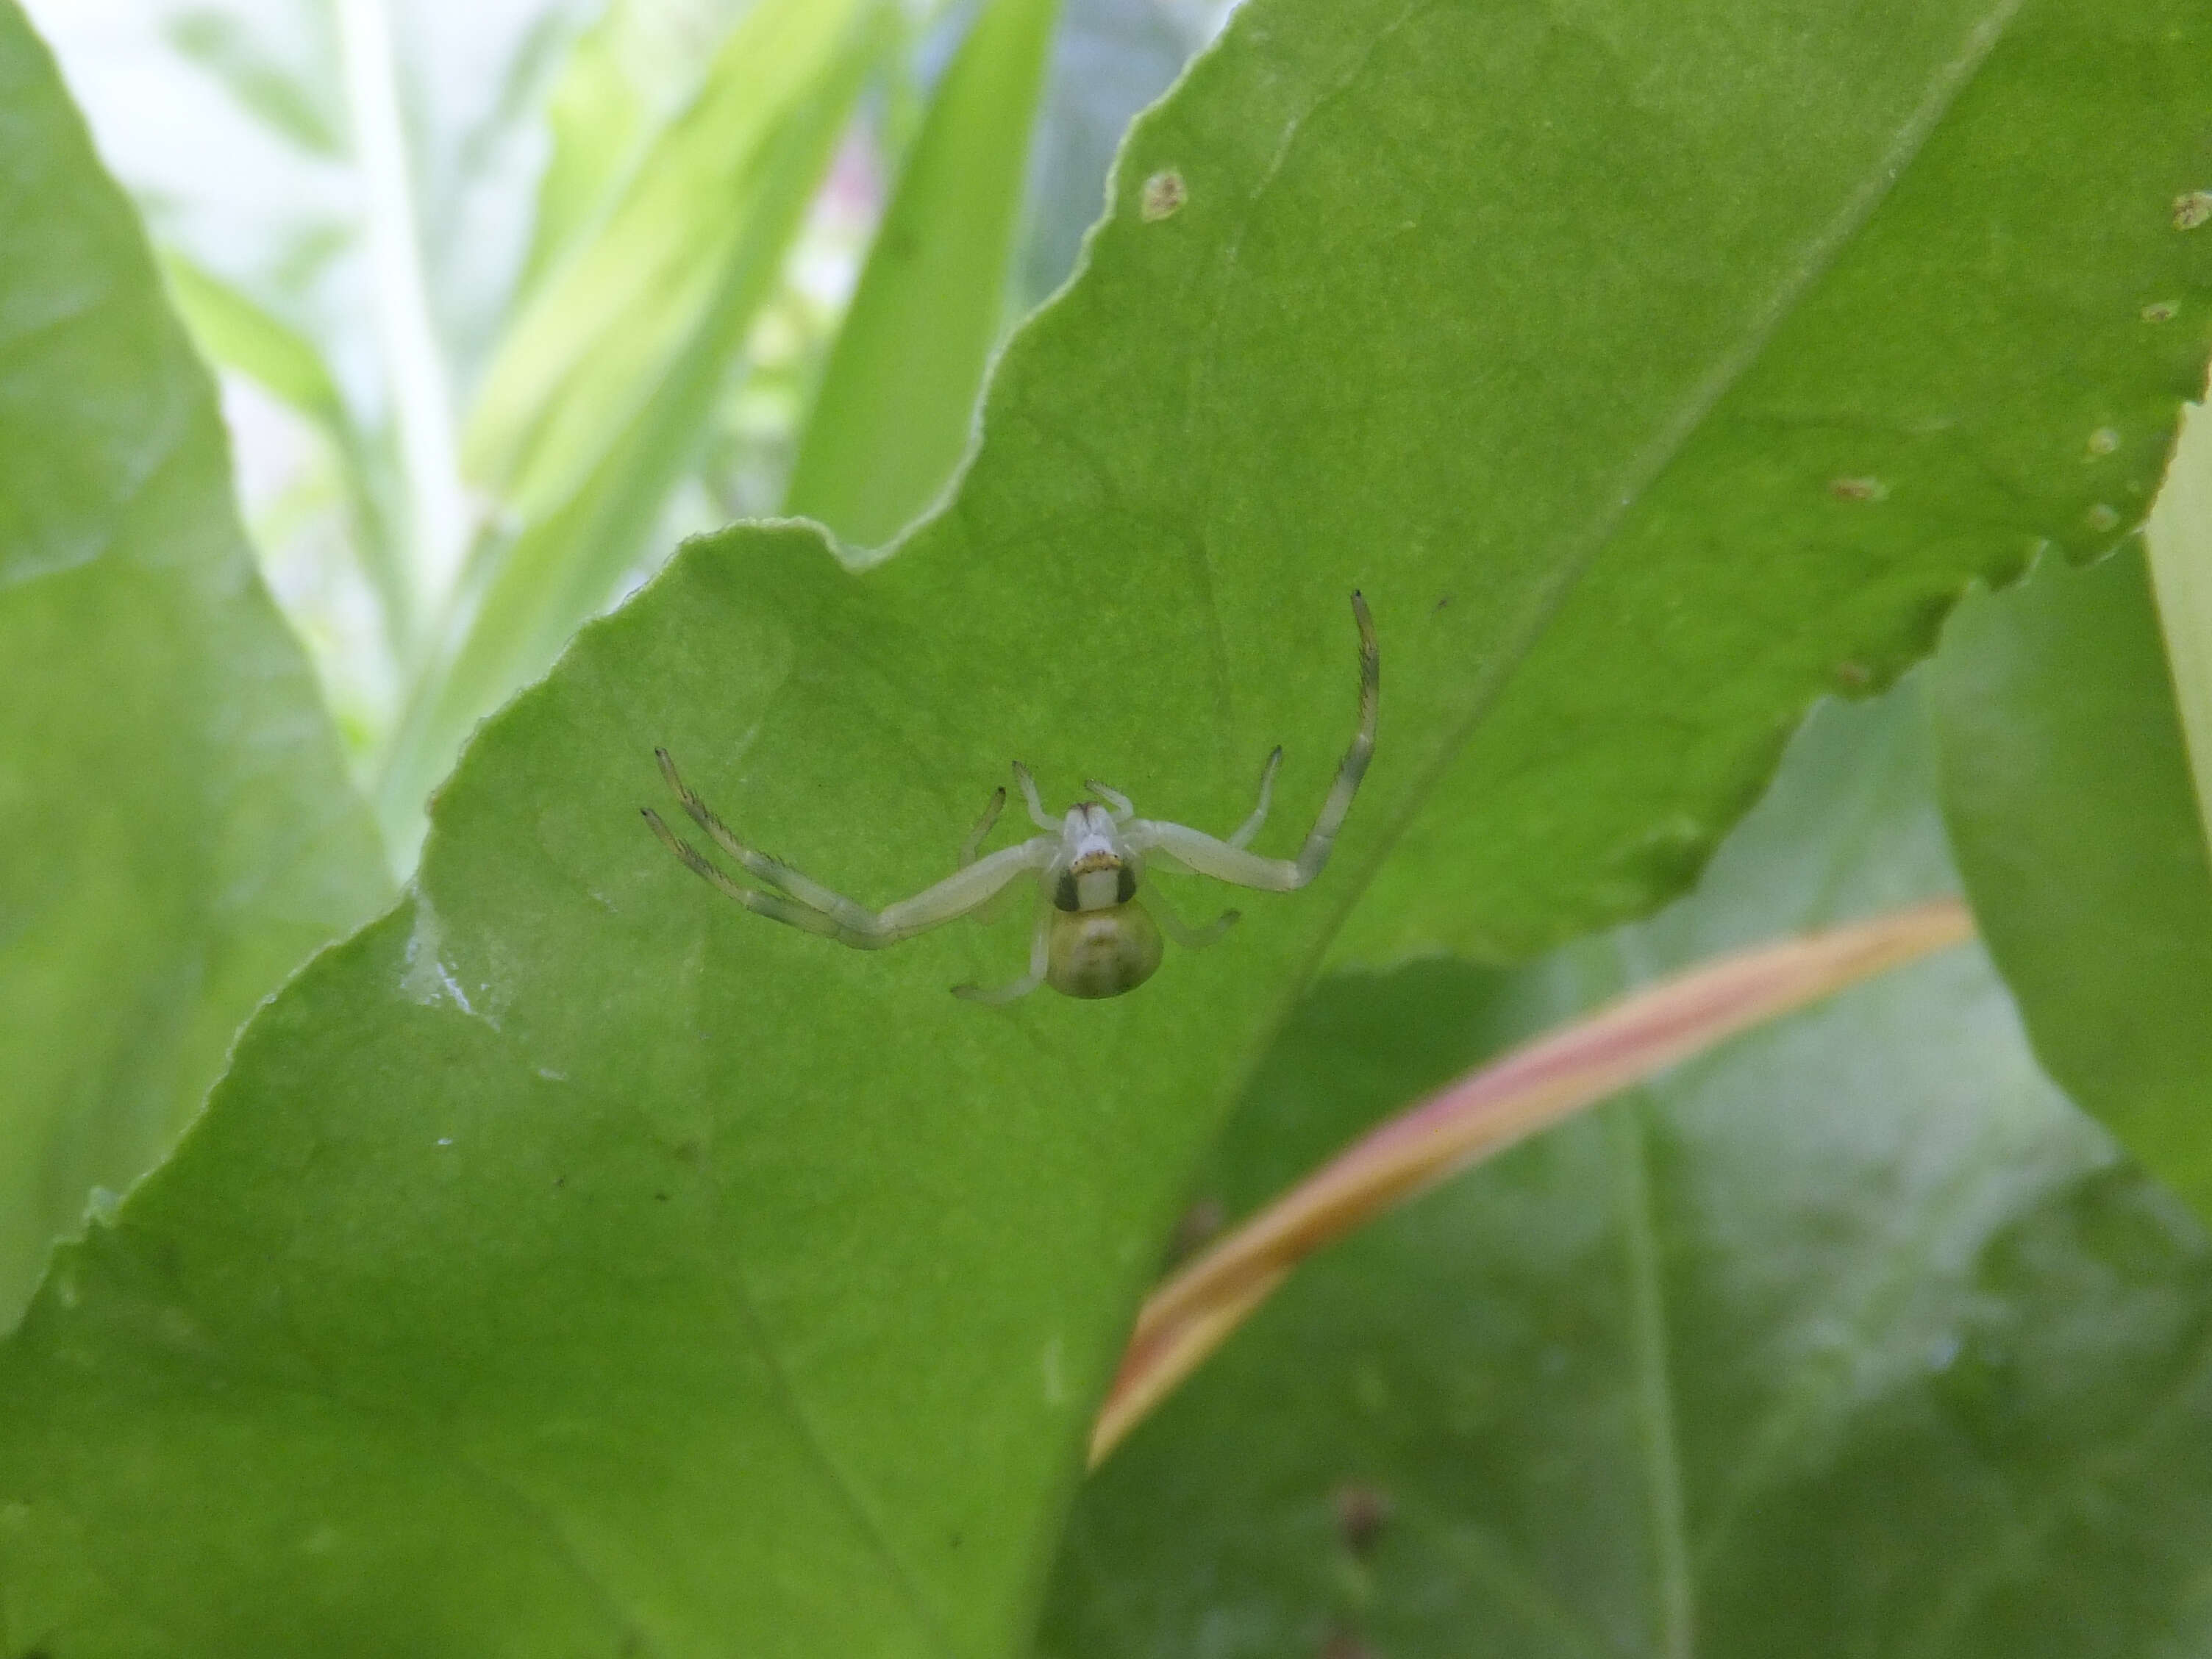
1096, 935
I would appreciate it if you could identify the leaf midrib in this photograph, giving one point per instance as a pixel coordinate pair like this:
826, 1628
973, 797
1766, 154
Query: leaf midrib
1492, 679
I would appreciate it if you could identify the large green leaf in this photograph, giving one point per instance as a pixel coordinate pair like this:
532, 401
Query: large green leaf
1862, 328
178, 833
898, 396
1849, 1339
572, 1239
2068, 789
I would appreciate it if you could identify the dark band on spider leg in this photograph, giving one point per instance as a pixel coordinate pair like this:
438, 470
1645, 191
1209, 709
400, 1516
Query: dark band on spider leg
775, 905
761, 866
701, 813
694, 860
1314, 853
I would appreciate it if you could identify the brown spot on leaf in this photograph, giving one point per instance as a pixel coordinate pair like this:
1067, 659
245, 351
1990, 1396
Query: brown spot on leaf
1362, 1512
1858, 490
2192, 209
1164, 193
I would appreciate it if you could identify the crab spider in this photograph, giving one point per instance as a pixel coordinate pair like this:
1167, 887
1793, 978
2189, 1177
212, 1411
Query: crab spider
1095, 935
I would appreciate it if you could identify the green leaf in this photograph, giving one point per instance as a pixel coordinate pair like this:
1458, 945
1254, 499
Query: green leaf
1850, 1338
598, 401
899, 397
2178, 539
1833, 343
179, 834
236, 331
573, 1238
639, 62
393, 253
305, 109
604, 329
2067, 790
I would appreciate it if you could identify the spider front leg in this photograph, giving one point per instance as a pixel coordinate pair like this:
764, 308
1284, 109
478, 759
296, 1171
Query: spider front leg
974, 844
994, 907
1040, 959
806, 904
1228, 861
1250, 827
1190, 937
772, 905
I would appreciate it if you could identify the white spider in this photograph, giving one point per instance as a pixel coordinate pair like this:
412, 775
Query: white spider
1095, 937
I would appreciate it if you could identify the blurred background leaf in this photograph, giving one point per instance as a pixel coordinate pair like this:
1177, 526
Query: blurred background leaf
2066, 785
637, 66
2177, 544
179, 834
894, 411
237, 127
1850, 1338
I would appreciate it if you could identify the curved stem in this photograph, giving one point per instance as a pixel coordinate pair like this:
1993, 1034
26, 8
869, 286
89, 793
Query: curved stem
1529, 1088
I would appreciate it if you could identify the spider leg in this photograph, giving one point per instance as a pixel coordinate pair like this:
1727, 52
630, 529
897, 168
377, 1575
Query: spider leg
1123, 811
1226, 861
974, 844
1250, 827
774, 905
994, 907
1190, 937
760, 865
963, 890
1038, 815
806, 904
1040, 946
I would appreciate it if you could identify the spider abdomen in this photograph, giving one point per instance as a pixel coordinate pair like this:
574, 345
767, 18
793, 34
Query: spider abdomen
1102, 953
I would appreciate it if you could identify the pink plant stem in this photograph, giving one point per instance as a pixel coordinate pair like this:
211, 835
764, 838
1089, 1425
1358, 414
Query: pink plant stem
1529, 1088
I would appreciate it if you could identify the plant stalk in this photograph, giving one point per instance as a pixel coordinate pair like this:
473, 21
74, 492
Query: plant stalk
1503, 1103
421, 399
